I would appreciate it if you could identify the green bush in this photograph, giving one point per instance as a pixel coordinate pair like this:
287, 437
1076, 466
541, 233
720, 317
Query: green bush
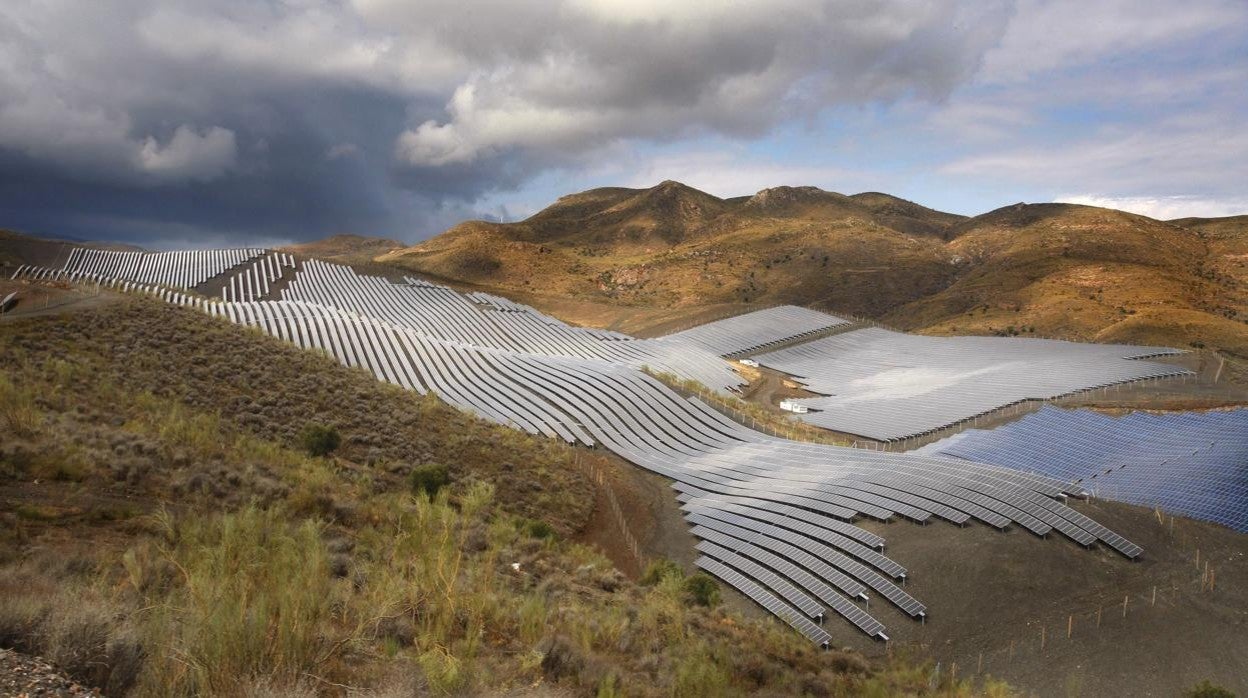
537, 529
1207, 689
702, 590
320, 440
659, 569
429, 478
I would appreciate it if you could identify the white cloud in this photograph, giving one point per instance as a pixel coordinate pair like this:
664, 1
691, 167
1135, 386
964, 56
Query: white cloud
1164, 207
1204, 153
1047, 35
662, 71
189, 154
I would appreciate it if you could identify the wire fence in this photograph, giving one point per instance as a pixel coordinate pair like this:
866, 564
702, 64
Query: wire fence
598, 476
1117, 611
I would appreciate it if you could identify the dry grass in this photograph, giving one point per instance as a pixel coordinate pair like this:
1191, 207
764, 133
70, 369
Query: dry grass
752, 413
201, 551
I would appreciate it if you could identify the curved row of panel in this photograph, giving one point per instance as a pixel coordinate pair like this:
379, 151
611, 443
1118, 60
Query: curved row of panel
175, 269
253, 281
756, 330
1191, 464
441, 312
775, 516
37, 273
888, 385
746, 484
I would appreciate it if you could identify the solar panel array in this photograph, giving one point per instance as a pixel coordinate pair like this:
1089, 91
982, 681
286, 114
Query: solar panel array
254, 280
1193, 464
485, 322
174, 269
888, 385
756, 330
777, 516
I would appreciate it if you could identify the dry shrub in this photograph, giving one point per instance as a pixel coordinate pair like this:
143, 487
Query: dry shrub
253, 593
18, 411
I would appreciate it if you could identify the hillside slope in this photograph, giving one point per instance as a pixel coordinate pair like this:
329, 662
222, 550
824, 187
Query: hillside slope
673, 246
157, 500
1084, 272
345, 248
1058, 270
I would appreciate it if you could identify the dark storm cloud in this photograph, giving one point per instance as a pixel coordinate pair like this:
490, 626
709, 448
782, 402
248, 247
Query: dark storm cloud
187, 122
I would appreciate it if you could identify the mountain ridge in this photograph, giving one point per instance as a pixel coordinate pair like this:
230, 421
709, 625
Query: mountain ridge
1056, 269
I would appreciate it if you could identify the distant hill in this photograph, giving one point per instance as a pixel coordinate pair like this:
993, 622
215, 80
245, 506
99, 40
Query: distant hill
672, 245
346, 248
19, 248
1043, 269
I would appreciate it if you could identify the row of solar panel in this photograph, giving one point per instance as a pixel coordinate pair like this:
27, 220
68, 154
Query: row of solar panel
791, 503
1191, 464
887, 385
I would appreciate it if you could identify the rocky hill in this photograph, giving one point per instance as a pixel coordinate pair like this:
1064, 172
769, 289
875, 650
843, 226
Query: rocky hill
1059, 270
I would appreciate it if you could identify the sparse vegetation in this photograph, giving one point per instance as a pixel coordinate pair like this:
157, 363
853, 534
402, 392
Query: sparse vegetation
751, 413
320, 440
429, 478
703, 590
1067, 271
1207, 689
208, 553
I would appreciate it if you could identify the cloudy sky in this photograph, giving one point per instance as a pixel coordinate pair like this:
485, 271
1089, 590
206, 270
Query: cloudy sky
209, 122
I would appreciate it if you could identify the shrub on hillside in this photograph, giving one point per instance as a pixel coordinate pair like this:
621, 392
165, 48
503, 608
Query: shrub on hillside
702, 590
320, 440
539, 529
535, 528
1207, 689
429, 478
660, 569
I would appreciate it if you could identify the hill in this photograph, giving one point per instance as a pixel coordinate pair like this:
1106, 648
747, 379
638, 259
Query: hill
673, 246
169, 528
1058, 270
345, 248
18, 248
1084, 272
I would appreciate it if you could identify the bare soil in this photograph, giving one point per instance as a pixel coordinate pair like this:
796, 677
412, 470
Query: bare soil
23, 675
988, 592
34, 300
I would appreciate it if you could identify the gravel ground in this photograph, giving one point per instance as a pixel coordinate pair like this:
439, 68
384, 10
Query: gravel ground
23, 675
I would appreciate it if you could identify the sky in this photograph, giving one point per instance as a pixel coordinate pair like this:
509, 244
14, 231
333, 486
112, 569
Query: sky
202, 123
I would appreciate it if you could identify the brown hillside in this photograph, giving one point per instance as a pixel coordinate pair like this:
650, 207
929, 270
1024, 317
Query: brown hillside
1083, 272
347, 248
673, 246
907, 216
17, 249
1042, 269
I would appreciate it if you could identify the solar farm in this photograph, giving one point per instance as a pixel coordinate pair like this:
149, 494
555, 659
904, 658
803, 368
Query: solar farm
777, 519
1188, 464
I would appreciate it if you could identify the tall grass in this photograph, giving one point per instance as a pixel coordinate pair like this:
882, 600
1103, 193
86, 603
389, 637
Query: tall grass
253, 594
18, 411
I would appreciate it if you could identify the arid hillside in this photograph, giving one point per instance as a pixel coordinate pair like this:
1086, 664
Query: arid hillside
165, 475
1058, 270
345, 248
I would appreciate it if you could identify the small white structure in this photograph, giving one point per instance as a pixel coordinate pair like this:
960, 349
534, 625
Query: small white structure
792, 406
749, 362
